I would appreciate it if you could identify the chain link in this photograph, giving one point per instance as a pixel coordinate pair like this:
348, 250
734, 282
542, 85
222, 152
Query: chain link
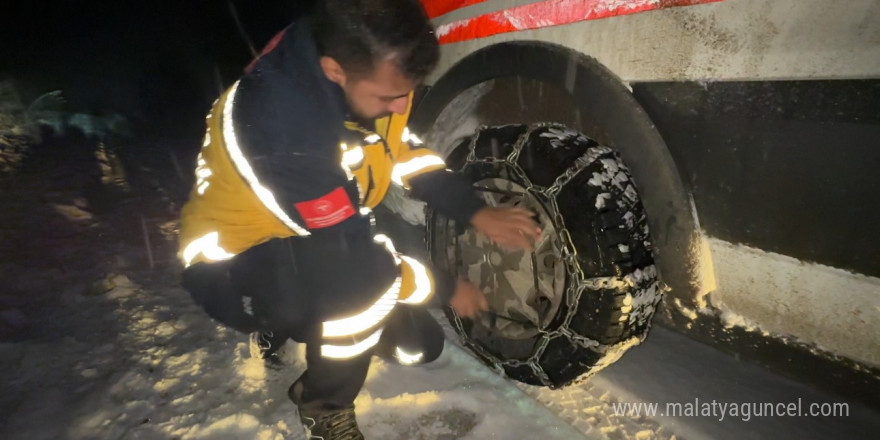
580, 163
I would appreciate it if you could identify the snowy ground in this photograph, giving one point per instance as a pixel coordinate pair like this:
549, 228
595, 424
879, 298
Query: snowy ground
171, 373
97, 345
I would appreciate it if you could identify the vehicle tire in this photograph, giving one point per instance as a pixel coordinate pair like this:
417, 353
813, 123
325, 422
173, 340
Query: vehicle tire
588, 291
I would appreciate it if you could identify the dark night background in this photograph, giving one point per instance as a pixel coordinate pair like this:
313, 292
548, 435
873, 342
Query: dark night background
159, 63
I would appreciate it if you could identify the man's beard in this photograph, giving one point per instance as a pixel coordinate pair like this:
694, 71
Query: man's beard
354, 111
367, 117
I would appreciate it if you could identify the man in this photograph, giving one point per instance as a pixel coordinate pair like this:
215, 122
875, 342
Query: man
277, 236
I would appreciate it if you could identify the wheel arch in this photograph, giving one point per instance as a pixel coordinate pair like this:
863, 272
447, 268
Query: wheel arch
680, 250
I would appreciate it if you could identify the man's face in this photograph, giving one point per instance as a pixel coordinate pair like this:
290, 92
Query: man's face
383, 92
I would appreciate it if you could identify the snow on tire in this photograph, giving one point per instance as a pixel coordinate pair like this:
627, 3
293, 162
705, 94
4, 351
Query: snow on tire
588, 291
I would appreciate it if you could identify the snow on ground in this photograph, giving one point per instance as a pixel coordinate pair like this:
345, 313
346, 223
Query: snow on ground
172, 373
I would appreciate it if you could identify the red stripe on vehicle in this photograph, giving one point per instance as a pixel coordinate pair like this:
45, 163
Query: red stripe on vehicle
549, 13
436, 8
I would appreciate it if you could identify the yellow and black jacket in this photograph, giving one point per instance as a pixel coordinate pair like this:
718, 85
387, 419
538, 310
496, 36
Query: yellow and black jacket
281, 159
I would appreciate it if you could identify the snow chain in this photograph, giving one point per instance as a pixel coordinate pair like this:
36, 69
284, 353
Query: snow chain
578, 282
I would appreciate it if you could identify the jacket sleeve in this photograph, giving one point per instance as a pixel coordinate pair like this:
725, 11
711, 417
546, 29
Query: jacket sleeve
423, 172
449, 193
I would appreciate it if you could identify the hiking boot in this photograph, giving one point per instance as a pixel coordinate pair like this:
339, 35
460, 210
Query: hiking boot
324, 423
331, 424
266, 346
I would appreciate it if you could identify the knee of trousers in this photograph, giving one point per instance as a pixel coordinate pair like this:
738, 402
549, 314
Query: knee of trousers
426, 352
412, 338
432, 350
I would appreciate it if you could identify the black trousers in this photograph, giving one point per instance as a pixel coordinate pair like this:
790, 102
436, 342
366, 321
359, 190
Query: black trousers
262, 289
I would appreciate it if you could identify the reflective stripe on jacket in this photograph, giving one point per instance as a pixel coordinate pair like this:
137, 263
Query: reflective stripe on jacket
228, 210
390, 154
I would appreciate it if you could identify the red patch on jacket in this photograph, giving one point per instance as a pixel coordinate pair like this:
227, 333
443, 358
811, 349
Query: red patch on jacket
331, 209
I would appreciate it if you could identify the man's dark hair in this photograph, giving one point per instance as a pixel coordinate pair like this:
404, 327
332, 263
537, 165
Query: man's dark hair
360, 33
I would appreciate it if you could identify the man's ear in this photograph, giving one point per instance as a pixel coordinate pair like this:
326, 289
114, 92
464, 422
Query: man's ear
333, 71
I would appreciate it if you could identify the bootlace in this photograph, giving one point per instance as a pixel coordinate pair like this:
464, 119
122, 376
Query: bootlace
264, 342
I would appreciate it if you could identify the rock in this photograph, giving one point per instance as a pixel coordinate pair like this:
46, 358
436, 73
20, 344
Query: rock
99, 287
118, 286
73, 213
121, 281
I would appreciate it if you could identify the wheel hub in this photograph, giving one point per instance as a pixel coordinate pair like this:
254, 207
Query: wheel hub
524, 289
